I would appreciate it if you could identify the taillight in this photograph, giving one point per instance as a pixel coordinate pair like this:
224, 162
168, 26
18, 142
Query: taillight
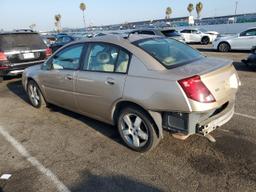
196, 90
3, 56
48, 52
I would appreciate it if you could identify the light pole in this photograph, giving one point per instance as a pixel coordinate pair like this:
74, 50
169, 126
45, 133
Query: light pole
236, 7
235, 12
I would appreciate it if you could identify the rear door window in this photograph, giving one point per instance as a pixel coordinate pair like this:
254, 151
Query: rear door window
170, 33
107, 58
146, 33
21, 41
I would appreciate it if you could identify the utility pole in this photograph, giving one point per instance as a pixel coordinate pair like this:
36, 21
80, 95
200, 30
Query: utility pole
236, 7
235, 18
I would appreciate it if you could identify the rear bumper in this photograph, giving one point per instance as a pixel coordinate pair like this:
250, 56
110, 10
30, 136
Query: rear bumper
18, 68
201, 123
212, 123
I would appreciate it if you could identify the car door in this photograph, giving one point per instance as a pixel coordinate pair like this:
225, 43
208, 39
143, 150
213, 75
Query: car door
187, 35
245, 40
195, 36
101, 80
58, 81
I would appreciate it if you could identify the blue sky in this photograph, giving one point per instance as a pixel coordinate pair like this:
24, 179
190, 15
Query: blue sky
22, 13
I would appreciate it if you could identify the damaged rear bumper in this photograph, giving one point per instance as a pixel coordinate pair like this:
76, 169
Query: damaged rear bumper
198, 123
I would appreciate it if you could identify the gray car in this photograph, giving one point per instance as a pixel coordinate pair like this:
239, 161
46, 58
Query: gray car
141, 84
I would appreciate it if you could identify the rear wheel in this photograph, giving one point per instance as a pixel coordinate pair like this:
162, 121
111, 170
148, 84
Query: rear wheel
137, 130
35, 96
205, 40
224, 47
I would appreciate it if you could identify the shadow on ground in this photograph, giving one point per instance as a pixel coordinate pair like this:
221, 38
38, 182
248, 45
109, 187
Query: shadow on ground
116, 183
17, 88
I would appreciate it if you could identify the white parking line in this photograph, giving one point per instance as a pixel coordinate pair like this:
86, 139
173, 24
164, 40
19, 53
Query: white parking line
247, 116
22, 150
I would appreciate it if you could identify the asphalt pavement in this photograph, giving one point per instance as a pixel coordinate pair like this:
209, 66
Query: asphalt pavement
56, 150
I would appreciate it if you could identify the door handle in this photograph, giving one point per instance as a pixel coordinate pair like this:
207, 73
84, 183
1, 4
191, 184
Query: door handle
69, 77
110, 81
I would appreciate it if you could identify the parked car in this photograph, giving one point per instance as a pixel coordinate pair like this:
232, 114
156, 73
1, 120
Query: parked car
242, 41
251, 60
48, 39
170, 33
61, 40
19, 50
197, 36
141, 84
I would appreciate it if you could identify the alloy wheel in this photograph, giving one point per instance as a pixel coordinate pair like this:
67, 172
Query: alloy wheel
34, 94
135, 130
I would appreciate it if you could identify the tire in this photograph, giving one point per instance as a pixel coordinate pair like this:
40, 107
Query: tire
35, 96
205, 40
1, 79
224, 47
141, 137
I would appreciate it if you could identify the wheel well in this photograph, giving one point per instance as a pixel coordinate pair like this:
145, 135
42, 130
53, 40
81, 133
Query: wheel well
123, 104
205, 37
31, 79
224, 42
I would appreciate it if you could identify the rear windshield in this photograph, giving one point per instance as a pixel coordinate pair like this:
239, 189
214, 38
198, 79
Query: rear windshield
21, 41
169, 52
170, 33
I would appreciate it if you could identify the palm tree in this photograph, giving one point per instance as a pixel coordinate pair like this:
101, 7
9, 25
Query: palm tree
57, 23
168, 12
83, 8
199, 8
190, 8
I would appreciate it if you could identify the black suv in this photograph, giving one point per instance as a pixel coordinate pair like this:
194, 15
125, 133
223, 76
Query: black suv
19, 50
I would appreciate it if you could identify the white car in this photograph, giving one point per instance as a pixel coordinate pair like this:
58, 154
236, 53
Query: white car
198, 36
242, 41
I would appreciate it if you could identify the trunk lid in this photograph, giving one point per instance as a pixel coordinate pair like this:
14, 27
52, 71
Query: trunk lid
218, 75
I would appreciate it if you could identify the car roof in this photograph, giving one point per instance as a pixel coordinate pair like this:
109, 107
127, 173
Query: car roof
155, 29
250, 28
118, 38
16, 32
127, 43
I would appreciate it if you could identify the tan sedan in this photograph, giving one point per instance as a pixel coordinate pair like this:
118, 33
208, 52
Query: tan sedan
141, 84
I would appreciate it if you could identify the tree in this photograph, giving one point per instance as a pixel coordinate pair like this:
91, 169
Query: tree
168, 12
199, 8
83, 8
58, 22
190, 8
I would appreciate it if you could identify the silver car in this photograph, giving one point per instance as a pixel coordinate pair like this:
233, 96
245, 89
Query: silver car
242, 41
141, 84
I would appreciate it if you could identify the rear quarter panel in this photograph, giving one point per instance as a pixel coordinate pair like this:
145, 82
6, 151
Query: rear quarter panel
152, 91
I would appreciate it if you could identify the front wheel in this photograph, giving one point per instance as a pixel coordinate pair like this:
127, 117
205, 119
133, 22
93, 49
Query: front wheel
224, 47
137, 129
205, 40
35, 96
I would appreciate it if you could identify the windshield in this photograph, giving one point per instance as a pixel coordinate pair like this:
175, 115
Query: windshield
169, 52
21, 40
170, 33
